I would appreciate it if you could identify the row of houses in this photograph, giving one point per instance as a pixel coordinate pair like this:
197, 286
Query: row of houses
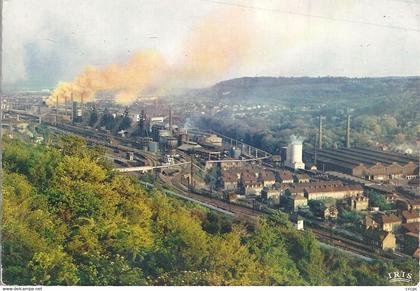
324, 189
255, 178
250, 180
381, 230
390, 222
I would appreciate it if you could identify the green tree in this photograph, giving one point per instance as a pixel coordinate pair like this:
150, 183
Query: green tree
378, 200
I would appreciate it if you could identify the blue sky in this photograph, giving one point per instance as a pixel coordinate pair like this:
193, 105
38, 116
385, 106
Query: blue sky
46, 41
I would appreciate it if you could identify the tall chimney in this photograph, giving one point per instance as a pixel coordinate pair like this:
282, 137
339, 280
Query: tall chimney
56, 110
321, 131
65, 106
315, 149
348, 132
170, 118
72, 106
81, 104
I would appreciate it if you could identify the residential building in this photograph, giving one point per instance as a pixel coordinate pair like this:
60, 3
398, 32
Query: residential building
391, 197
410, 216
229, 182
251, 185
301, 178
330, 212
408, 204
369, 223
267, 178
381, 239
336, 192
359, 203
270, 194
297, 201
414, 204
285, 177
388, 222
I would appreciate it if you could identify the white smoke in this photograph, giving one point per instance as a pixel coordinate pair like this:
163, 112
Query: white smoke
296, 139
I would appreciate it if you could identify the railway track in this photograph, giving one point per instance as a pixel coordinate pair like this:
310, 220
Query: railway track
238, 211
98, 138
250, 215
342, 242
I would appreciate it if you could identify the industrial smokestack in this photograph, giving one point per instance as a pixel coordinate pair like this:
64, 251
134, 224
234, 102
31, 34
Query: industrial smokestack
321, 131
72, 107
170, 118
348, 132
81, 105
65, 106
73, 111
315, 149
56, 111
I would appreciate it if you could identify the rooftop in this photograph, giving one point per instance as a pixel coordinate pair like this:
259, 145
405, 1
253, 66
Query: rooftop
297, 197
410, 214
285, 175
411, 227
388, 218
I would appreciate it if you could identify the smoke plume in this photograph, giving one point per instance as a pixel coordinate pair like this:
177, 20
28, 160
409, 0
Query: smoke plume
295, 139
218, 43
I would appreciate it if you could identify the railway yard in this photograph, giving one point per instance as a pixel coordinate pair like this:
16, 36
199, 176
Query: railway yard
117, 147
240, 213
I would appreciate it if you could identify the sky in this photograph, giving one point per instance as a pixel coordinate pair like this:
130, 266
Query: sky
47, 41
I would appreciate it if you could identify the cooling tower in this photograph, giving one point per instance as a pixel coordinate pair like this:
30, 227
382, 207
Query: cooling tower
294, 155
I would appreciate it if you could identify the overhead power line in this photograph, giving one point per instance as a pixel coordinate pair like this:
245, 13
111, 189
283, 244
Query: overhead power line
245, 6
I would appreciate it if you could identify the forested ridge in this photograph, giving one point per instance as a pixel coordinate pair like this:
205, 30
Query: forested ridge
68, 219
384, 111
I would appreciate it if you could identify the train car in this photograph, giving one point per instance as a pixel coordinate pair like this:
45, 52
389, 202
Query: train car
121, 163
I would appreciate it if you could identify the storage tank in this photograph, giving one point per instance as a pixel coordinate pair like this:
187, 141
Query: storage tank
283, 154
153, 147
235, 152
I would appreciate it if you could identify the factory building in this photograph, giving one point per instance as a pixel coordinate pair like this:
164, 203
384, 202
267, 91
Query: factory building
156, 131
336, 192
366, 163
144, 124
212, 140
